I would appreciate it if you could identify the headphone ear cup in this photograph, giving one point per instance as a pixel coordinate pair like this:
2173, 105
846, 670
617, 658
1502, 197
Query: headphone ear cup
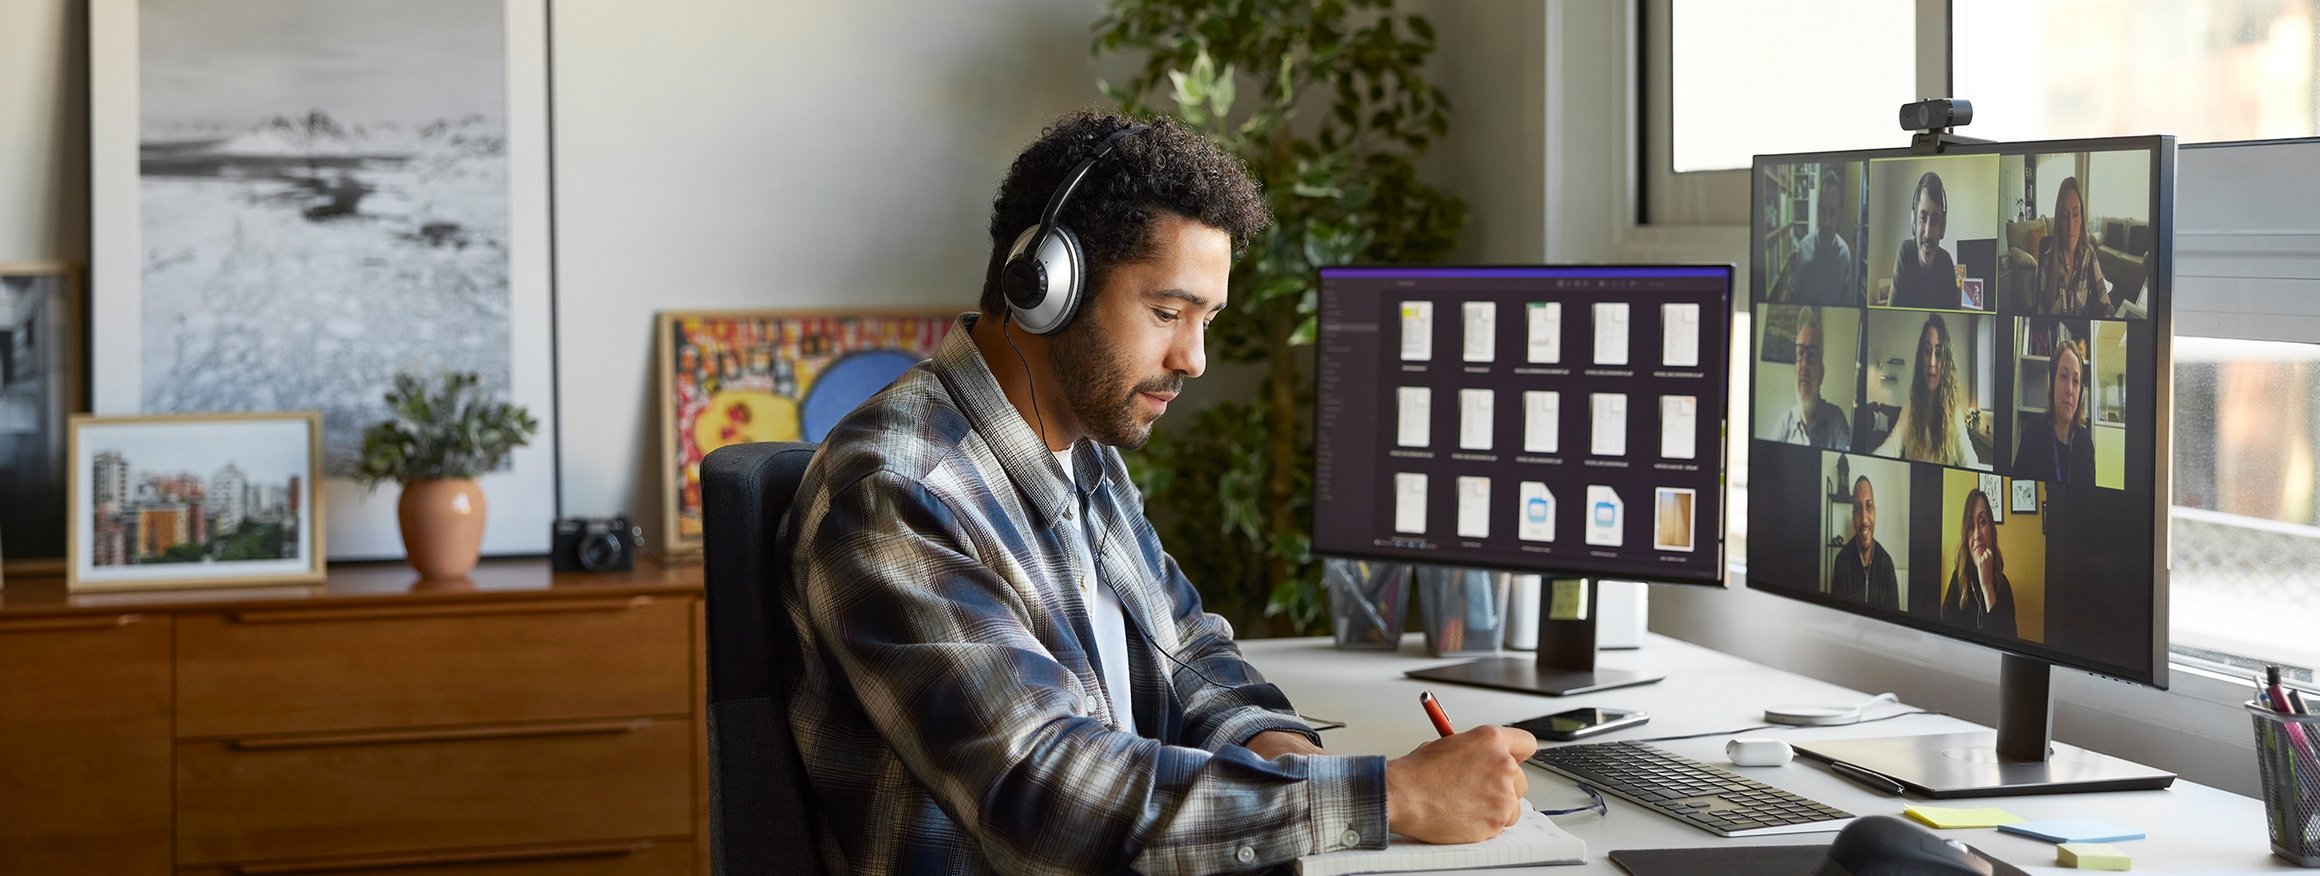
1043, 279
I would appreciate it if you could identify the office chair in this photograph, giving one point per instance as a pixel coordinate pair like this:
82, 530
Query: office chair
759, 821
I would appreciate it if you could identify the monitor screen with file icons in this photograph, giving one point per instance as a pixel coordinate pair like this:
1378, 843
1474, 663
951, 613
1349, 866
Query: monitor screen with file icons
1613, 381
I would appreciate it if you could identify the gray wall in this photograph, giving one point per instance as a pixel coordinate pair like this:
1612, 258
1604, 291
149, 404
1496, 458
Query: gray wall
728, 154
744, 154
43, 132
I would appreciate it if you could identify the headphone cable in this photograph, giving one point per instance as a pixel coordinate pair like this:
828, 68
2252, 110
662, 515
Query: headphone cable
1039, 421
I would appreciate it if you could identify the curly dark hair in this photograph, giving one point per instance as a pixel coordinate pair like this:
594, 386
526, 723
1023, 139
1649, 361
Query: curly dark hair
1166, 168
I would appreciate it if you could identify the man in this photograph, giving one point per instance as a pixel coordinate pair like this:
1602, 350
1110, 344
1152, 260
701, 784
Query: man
1813, 422
1824, 271
1001, 668
1923, 274
1863, 571
2056, 448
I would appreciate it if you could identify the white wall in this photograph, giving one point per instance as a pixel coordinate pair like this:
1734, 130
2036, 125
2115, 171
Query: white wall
732, 154
1492, 63
728, 154
43, 124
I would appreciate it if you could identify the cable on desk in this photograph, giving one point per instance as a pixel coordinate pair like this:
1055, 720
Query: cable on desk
1777, 727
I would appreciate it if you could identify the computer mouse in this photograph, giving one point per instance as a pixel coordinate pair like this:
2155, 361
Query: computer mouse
1885, 845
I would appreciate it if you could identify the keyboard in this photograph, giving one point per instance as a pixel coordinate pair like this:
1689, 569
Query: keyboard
1703, 796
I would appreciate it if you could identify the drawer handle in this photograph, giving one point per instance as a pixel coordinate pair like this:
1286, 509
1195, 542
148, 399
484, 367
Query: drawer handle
66, 624
437, 859
387, 737
313, 615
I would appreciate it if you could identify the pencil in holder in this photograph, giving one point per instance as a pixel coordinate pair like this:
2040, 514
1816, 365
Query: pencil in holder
2289, 765
1464, 610
1367, 601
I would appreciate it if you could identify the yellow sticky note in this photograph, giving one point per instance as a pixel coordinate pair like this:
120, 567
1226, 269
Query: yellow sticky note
2092, 856
1946, 818
1568, 601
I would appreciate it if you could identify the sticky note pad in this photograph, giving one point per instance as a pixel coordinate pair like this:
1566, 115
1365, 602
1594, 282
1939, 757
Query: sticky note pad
1946, 818
1567, 600
2073, 830
2092, 856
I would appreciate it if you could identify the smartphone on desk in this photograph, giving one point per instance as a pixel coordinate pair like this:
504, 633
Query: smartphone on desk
1580, 723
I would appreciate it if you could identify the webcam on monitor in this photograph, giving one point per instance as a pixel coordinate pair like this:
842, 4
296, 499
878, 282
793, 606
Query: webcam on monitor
1936, 114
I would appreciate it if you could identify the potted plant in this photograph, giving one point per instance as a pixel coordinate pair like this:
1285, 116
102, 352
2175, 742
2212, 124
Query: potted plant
435, 445
1234, 488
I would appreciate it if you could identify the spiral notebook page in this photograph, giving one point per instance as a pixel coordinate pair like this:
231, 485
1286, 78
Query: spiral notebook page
1533, 840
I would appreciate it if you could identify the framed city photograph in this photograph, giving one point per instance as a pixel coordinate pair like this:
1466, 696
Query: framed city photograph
40, 385
194, 500
292, 201
735, 377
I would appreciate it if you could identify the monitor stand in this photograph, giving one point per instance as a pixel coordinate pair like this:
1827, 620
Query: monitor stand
1565, 663
2020, 758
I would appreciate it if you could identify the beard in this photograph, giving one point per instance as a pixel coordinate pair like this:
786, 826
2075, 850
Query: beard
1099, 389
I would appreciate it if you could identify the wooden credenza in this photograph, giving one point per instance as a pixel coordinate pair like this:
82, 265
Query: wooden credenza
517, 724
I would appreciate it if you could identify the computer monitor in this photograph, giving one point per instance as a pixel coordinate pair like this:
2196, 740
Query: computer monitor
1959, 422
1565, 421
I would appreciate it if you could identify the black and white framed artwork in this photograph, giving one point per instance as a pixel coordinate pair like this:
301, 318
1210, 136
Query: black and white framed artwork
294, 200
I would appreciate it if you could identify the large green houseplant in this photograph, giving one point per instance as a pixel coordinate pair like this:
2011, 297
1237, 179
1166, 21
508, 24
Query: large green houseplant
1328, 103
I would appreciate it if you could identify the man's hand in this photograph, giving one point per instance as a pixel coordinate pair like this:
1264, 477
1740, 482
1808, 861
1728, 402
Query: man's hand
1274, 743
1460, 789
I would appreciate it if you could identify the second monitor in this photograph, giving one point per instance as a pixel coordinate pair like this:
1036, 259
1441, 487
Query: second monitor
1565, 421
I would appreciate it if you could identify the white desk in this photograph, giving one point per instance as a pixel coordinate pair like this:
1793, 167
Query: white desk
2192, 828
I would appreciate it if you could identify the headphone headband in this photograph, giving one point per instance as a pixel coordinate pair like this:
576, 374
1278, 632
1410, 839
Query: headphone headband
1046, 271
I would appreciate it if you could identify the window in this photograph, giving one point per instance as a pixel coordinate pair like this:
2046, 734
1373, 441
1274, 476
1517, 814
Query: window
1721, 82
1790, 76
2246, 537
2203, 70
2245, 532
1725, 81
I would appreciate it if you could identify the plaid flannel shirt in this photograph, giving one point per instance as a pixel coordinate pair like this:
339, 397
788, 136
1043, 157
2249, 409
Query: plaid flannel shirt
949, 716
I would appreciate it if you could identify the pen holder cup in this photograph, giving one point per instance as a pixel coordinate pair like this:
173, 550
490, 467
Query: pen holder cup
1367, 602
2288, 760
1463, 610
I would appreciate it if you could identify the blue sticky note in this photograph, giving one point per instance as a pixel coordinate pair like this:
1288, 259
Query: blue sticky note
2074, 830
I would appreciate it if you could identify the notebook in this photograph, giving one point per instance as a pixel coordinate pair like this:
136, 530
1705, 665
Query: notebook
1533, 840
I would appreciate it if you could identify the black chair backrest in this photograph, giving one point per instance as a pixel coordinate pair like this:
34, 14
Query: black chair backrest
759, 821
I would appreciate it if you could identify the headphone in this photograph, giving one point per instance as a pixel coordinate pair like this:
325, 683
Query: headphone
1046, 273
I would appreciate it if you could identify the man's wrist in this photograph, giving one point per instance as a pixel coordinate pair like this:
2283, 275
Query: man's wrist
1269, 744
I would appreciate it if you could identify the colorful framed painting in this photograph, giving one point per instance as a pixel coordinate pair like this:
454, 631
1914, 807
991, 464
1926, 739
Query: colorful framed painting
735, 377
40, 385
194, 500
292, 201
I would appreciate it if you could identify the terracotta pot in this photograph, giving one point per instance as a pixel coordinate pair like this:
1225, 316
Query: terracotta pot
442, 524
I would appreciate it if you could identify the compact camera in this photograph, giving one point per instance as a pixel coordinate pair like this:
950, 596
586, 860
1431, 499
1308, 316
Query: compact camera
595, 544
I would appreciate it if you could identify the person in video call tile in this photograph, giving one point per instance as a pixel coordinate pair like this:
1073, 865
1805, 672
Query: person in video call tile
1923, 274
1823, 271
1863, 571
1979, 596
2070, 278
1000, 667
2055, 445
1812, 422
1932, 423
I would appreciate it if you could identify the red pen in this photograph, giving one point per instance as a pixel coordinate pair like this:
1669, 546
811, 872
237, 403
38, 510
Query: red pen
1434, 711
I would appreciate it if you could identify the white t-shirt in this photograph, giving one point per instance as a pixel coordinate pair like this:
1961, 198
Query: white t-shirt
1107, 618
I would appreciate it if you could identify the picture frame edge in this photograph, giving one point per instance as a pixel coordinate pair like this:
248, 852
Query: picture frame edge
318, 566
